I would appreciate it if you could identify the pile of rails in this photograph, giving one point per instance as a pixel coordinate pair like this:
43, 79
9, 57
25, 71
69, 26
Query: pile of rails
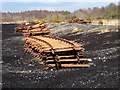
32, 28
52, 51
80, 21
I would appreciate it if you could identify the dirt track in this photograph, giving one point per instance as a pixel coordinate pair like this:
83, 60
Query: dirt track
20, 70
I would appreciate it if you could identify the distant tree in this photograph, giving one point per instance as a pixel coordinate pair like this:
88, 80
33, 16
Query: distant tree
107, 12
74, 17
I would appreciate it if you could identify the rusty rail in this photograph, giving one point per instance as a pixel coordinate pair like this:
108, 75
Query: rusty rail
58, 61
54, 51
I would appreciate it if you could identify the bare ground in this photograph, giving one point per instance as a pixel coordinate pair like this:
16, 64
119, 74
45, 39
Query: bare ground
20, 70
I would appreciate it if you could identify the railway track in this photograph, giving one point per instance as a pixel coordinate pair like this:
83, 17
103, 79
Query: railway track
53, 51
56, 52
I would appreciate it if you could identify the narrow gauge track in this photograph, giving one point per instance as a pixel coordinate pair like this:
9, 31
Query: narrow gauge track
53, 51
56, 52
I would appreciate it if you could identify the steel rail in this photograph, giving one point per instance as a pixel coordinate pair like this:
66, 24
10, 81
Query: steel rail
60, 40
52, 50
76, 54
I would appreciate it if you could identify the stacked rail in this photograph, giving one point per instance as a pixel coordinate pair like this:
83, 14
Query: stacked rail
29, 29
53, 51
79, 21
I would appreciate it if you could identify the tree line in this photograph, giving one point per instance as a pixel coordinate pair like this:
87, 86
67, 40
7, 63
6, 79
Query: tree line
110, 11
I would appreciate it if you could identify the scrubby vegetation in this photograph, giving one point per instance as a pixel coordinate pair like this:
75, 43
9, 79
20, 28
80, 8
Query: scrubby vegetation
41, 21
108, 12
57, 20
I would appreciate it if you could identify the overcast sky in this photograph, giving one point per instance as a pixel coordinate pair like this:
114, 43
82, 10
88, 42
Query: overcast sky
24, 5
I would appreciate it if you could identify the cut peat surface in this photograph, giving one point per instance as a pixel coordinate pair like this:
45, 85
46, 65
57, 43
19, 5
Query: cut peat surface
20, 70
